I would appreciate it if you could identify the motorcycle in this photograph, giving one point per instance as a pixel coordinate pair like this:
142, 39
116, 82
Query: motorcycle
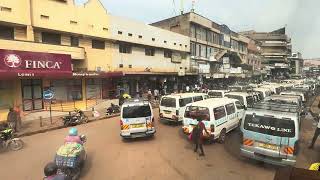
113, 109
71, 166
75, 119
7, 140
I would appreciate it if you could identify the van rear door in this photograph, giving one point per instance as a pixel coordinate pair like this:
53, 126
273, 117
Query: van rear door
137, 117
168, 107
271, 135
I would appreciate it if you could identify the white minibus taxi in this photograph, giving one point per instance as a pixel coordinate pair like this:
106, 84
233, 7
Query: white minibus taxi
222, 115
172, 106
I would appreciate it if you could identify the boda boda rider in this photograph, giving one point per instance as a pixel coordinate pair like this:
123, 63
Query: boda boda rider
51, 170
73, 137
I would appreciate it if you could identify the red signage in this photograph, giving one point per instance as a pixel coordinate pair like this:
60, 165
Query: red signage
34, 64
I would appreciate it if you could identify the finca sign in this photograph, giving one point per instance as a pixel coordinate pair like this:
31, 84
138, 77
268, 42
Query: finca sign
42, 64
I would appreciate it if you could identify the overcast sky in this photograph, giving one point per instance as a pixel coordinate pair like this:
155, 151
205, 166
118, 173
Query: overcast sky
301, 17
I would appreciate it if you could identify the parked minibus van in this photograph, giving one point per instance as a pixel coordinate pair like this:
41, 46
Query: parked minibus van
222, 115
245, 98
217, 93
264, 91
172, 106
270, 133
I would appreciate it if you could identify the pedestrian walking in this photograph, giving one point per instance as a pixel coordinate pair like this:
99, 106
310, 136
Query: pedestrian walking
12, 119
187, 88
197, 135
121, 98
156, 94
315, 136
19, 121
149, 95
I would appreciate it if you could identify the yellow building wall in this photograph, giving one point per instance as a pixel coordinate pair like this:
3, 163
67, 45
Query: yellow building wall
19, 14
97, 57
90, 19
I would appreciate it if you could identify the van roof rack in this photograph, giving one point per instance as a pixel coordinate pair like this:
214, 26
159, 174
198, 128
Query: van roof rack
137, 100
277, 107
281, 101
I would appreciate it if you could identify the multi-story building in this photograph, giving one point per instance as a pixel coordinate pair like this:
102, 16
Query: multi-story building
210, 43
311, 67
79, 53
276, 47
149, 57
254, 54
296, 63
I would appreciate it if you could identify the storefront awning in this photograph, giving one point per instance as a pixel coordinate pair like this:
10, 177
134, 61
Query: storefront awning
25, 64
94, 74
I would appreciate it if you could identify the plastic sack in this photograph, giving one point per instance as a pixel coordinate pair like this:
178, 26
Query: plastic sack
190, 137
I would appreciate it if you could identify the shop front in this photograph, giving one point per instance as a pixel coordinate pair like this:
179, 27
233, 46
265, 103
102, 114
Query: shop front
24, 76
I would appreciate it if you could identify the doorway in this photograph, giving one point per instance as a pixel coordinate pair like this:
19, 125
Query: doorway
32, 94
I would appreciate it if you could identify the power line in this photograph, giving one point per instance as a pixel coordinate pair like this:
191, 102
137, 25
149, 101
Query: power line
174, 8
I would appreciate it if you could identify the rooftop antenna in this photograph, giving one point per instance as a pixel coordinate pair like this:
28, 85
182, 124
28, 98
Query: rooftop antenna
181, 6
193, 5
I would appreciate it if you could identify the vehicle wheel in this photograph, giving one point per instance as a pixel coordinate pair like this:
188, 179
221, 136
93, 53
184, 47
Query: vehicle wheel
16, 144
85, 119
222, 136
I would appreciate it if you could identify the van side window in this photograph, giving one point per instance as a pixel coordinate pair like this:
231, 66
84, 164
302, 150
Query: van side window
219, 112
230, 108
239, 105
197, 98
183, 102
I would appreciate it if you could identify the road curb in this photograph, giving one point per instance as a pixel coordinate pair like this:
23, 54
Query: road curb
30, 133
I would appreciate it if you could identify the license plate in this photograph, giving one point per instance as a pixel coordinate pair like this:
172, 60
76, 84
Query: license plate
167, 112
268, 146
137, 125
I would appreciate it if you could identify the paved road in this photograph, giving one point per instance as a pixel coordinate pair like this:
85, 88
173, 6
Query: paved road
166, 156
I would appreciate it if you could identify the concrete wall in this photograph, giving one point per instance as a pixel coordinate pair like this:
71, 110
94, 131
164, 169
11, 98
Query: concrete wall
19, 13
139, 61
173, 40
76, 52
178, 24
90, 19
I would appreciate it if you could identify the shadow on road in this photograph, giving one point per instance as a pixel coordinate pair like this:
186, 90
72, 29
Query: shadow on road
88, 163
170, 123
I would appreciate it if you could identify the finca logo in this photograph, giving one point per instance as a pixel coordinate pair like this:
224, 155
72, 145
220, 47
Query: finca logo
12, 60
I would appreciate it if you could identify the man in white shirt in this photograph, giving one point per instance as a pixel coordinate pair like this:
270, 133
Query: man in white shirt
187, 88
315, 136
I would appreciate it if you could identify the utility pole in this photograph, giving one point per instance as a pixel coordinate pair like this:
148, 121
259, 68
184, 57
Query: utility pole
181, 6
193, 5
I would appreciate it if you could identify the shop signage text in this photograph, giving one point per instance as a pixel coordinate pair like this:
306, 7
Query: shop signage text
42, 64
34, 64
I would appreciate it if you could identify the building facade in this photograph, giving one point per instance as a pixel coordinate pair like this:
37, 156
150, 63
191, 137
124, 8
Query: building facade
296, 63
276, 47
210, 43
254, 57
149, 57
79, 57
311, 67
